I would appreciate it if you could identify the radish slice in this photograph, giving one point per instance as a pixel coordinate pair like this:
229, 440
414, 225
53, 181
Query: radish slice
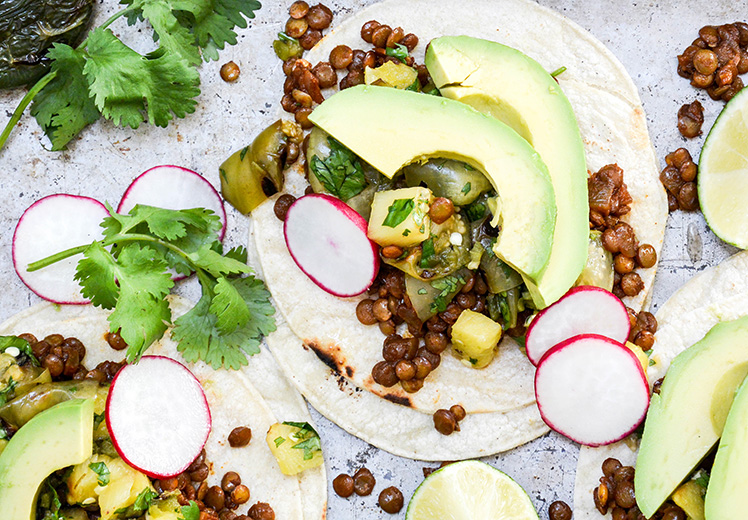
159, 436
583, 310
327, 240
173, 187
592, 390
51, 225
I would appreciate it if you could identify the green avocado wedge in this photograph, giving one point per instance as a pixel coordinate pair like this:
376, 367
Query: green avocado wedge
688, 416
390, 128
506, 84
56, 438
725, 495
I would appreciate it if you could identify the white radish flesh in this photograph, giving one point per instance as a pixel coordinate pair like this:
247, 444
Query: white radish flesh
173, 187
327, 240
592, 390
583, 310
158, 416
51, 225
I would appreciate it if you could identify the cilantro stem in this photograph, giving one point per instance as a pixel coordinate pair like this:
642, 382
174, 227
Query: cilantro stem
106, 24
130, 237
30, 95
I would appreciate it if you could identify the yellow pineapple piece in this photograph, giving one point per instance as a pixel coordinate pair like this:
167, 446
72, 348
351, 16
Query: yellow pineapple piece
475, 338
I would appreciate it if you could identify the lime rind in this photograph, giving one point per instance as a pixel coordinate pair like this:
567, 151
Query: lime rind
723, 173
468, 490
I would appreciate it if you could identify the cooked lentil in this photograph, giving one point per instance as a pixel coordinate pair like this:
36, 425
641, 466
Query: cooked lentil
559, 510
261, 511
391, 500
230, 72
363, 482
240, 437
690, 118
343, 485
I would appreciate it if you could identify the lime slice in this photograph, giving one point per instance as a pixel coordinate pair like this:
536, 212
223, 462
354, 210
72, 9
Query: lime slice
723, 173
470, 490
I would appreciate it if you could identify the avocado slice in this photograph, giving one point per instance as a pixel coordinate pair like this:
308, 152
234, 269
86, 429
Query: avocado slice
504, 83
687, 417
391, 128
56, 438
725, 495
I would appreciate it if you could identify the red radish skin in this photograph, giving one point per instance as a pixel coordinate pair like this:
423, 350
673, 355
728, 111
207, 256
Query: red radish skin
582, 310
173, 187
592, 390
50, 225
145, 426
328, 241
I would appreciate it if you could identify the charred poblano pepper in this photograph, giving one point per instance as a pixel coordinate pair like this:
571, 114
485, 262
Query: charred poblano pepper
29, 27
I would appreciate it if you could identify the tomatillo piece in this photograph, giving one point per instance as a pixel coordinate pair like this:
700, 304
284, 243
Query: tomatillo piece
255, 172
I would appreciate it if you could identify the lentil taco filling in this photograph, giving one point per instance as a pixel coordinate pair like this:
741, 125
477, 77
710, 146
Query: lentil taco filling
426, 287
234, 477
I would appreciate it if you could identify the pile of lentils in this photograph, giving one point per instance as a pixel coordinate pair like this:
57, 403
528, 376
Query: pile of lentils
408, 359
304, 82
679, 179
63, 357
643, 328
716, 58
362, 483
616, 493
216, 502
610, 200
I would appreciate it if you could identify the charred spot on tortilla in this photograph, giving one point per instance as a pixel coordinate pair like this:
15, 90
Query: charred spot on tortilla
349, 370
323, 356
399, 399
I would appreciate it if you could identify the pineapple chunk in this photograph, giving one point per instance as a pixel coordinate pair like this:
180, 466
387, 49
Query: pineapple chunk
120, 491
390, 74
295, 446
690, 498
475, 338
400, 217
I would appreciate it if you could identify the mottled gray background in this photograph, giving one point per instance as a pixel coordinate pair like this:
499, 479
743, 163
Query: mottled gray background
645, 35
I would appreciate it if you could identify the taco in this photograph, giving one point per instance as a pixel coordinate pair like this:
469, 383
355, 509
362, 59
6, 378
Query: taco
232, 398
613, 131
717, 295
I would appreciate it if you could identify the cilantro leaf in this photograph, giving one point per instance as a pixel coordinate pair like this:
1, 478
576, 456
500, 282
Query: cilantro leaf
341, 172
64, 106
214, 28
466, 188
310, 446
217, 264
135, 285
427, 253
140, 506
129, 88
228, 305
173, 37
398, 212
21, 344
191, 511
448, 287
400, 52
278, 441
164, 223
199, 337
101, 471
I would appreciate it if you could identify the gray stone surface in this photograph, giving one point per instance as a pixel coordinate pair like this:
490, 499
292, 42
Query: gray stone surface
645, 35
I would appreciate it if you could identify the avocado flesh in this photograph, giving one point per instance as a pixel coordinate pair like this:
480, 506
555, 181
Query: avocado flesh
504, 83
390, 128
56, 438
687, 417
726, 498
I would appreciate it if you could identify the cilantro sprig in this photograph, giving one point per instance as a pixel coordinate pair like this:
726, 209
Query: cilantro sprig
104, 77
127, 272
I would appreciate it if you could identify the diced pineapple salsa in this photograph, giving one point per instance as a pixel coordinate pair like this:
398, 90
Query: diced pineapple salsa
296, 446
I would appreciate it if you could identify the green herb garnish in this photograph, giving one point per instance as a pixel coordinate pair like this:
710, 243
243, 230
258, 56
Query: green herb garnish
466, 188
309, 438
475, 211
191, 511
128, 272
398, 212
21, 344
415, 86
427, 253
104, 77
101, 471
406, 232
446, 286
98, 419
558, 71
278, 441
400, 52
140, 506
310, 446
422, 291
341, 172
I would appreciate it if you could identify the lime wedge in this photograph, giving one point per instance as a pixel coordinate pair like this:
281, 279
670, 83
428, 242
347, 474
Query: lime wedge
723, 173
470, 490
